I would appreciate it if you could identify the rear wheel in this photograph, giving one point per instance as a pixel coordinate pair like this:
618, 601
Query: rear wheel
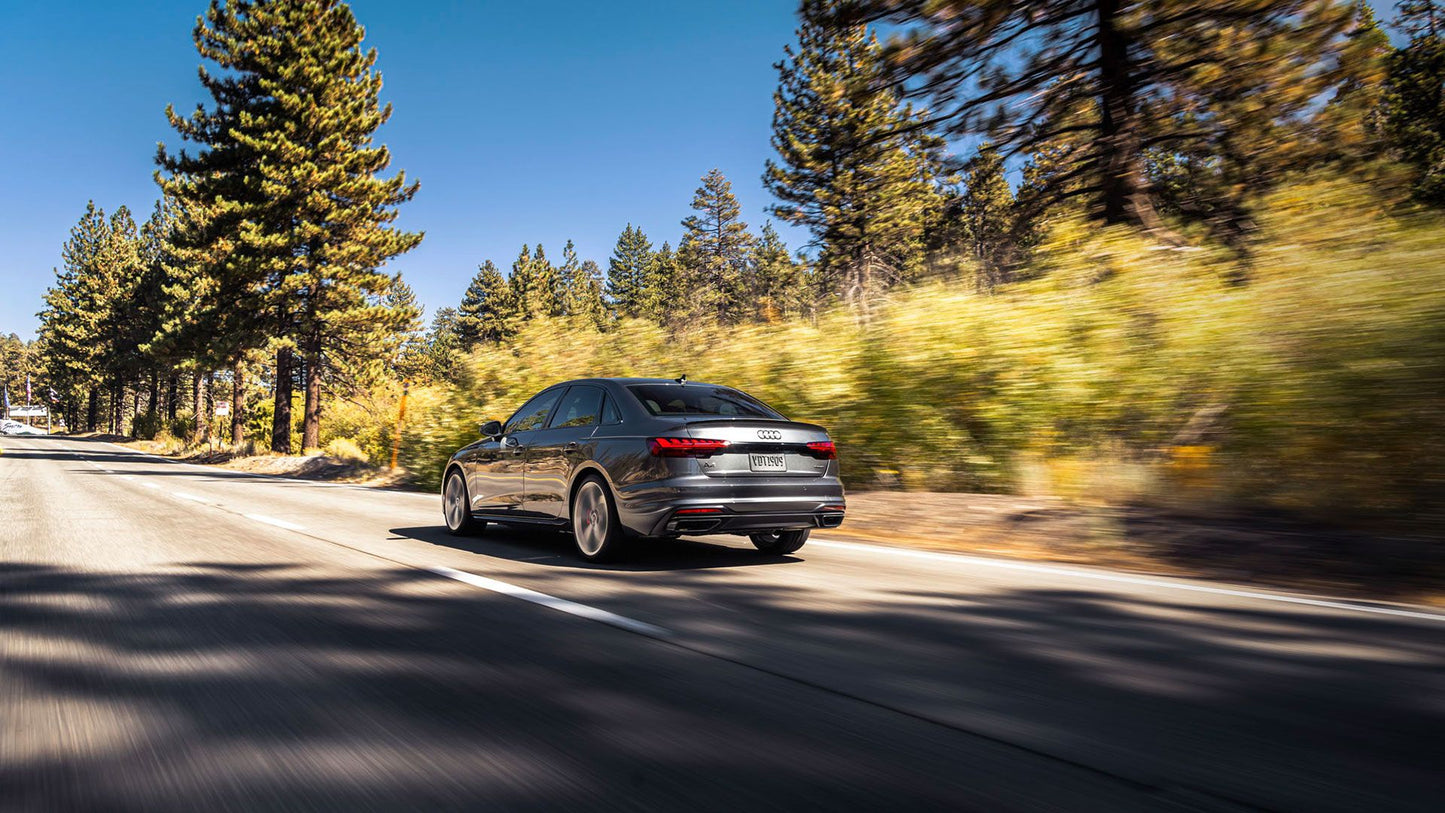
598, 533
457, 506
780, 542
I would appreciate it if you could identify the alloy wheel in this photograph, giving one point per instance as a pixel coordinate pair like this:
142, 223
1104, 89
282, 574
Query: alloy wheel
590, 518
455, 502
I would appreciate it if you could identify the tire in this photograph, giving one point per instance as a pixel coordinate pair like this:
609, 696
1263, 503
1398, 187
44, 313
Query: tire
598, 533
456, 506
780, 542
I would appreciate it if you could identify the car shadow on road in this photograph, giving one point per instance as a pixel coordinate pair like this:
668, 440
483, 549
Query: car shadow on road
553, 548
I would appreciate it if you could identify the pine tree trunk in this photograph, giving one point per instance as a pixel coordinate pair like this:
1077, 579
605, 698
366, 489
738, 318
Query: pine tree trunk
155, 393
196, 406
238, 401
1123, 196
281, 419
311, 422
172, 396
92, 410
207, 408
134, 405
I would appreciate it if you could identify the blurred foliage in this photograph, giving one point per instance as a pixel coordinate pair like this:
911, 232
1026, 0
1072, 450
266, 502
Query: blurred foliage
346, 449
182, 426
148, 425
1413, 103
1122, 370
363, 423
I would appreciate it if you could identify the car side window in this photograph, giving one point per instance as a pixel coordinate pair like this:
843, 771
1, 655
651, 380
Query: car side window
579, 407
533, 415
609, 411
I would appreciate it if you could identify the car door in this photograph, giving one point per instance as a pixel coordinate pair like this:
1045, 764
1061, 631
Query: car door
497, 475
555, 450
484, 464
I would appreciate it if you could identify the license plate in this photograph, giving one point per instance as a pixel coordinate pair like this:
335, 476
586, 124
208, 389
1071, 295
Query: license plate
768, 462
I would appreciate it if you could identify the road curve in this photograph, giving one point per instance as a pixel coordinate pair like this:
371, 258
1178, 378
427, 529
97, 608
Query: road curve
182, 637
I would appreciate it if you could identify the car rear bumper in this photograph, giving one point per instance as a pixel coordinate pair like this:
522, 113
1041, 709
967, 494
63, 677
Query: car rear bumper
706, 505
732, 523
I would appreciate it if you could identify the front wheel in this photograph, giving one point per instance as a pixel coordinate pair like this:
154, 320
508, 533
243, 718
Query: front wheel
595, 526
780, 542
457, 506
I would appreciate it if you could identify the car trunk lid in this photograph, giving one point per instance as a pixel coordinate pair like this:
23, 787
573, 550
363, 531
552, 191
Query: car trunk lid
760, 447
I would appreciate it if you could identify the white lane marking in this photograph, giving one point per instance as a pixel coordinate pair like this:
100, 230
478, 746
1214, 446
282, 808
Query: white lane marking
1136, 580
561, 604
150, 485
279, 523
127, 477
184, 496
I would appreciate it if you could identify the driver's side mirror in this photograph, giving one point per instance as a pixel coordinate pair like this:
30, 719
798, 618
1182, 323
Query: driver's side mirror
492, 429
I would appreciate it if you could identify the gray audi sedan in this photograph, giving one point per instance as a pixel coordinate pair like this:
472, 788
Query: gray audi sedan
614, 459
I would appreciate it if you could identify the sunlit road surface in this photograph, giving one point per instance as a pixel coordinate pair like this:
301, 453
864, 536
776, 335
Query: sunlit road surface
185, 638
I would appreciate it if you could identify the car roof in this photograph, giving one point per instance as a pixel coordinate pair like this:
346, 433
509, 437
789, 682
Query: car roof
635, 381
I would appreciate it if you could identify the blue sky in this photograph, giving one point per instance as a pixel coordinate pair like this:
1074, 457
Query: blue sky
524, 122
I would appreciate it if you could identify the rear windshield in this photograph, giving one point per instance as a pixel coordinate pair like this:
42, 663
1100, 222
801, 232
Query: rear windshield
696, 399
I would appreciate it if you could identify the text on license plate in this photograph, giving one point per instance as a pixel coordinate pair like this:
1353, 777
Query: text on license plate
768, 462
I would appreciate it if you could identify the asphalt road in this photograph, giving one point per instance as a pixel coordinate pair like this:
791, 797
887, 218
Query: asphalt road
186, 638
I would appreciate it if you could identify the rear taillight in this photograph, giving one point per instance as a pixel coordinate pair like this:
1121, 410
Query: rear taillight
682, 511
823, 450
685, 447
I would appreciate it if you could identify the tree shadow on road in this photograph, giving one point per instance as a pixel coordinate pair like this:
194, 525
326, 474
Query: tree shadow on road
267, 685
274, 684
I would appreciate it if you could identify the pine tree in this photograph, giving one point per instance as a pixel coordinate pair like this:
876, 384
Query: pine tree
90, 325
120, 333
1348, 127
543, 300
525, 284
151, 302
488, 309
1113, 77
290, 180
588, 302
1414, 99
443, 348
663, 290
715, 253
70, 321
409, 341
219, 262
987, 212
627, 271
781, 288
853, 168
579, 288
15, 364
565, 280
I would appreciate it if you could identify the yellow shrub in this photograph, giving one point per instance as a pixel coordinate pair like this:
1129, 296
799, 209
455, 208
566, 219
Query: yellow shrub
346, 449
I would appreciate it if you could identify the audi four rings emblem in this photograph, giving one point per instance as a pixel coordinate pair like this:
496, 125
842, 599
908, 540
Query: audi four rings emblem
770, 434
